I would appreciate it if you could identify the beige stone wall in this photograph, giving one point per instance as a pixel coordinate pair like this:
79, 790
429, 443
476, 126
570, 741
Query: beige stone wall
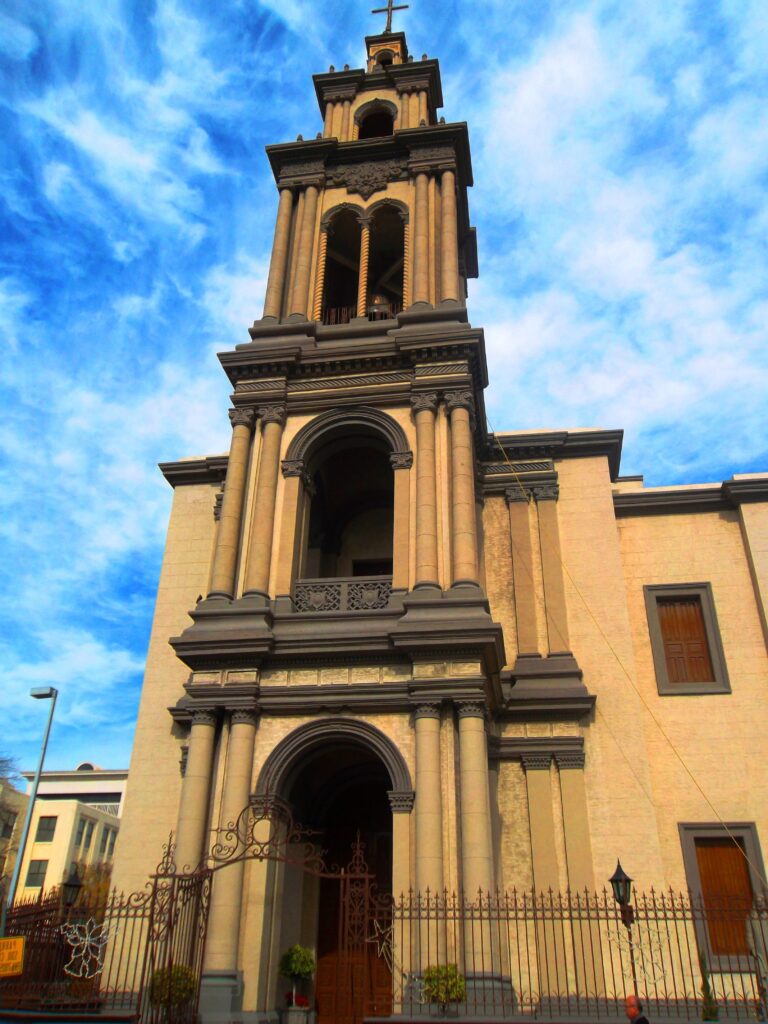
152, 797
497, 550
719, 736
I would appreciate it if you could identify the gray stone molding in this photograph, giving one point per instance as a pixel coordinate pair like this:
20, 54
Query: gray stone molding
285, 757
424, 400
536, 762
322, 427
427, 709
245, 716
471, 708
242, 416
272, 414
183, 759
401, 801
518, 493
401, 460
568, 751
293, 467
211, 469
556, 444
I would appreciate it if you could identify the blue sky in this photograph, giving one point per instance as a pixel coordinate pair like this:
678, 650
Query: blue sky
620, 153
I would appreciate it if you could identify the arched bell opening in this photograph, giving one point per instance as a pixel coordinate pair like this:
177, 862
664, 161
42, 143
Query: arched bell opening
341, 268
377, 124
387, 261
351, 511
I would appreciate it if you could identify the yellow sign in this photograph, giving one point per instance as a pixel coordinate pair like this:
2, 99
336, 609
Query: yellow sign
11, 956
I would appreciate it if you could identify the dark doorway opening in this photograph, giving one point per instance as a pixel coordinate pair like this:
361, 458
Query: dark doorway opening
342, 269
376, 125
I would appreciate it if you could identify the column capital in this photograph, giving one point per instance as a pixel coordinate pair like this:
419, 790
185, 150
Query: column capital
546, 492
204, 716
427, 709
293, 467
536, 762
401, 800
424, 400
460, 400
245, 716
272, 414
518, 493
401, 460
470, 708
242, 416
569, 759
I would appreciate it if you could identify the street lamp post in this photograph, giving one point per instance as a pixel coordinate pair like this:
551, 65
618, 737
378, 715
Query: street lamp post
39, 693
621, 884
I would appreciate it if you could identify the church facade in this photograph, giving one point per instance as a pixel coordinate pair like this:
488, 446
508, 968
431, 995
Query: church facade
493, 658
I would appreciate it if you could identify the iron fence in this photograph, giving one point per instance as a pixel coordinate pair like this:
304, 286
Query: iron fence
553, 955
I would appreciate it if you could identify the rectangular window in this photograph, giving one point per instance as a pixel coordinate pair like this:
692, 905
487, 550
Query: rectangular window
112, 839
685, 640
79, 833
46, 827
36, 874
723, 870
104, 840
7, 823
88, 836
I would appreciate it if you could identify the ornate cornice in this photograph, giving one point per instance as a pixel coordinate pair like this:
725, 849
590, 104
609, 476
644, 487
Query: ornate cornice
570, 759
370, 176
401, 460
401, 801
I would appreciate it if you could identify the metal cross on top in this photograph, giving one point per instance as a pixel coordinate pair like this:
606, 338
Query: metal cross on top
388, 11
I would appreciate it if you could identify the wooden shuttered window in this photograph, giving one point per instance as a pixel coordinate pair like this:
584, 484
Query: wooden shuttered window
684, 634
727, 892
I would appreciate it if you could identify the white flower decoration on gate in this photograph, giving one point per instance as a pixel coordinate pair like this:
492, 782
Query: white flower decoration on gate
87, 941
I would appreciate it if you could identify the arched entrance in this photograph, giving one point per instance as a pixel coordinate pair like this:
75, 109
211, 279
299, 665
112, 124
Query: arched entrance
337, 777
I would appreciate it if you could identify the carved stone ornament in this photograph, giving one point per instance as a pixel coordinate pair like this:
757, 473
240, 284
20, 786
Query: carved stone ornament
303, 172
272, 414
433, 156
517, 493
569, 759
460, 400
425, 400
401, 801
293, 467
546, 492
244, 716
401, 460
183, 760
242, 416
471, 708
427, 709
203, 716
536, 762
367, 178
217, 503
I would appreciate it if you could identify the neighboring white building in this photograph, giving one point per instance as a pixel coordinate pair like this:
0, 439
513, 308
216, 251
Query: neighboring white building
75, 822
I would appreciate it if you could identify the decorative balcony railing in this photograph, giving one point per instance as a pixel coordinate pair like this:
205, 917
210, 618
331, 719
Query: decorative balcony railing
336, 315
352, 594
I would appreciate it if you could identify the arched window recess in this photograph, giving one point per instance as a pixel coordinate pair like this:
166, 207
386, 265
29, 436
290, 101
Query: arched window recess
376, 119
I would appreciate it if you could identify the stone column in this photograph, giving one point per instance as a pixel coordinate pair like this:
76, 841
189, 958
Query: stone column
407, 268
337, 116
423, 113
404, 123
542, 822
449, 239
262, 532
578, 844
317, 304
195, 791
413, 109
552, 569
328, 121
345, 120
421, 240
425, 408
476, 835
228, 537
362, 280
429, 802
300, 293
273, 301
295, 481
464, 521
522, 570
226, 898
401, 463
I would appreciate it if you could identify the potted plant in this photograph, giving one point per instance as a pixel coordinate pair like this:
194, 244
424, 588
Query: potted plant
173, 988
296, 964
444, 986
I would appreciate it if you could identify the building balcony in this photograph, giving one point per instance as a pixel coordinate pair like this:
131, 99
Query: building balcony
342, 594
